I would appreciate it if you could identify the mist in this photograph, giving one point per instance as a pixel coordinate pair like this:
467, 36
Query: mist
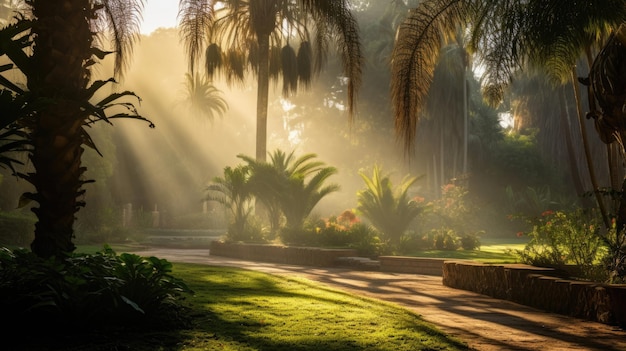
168, 167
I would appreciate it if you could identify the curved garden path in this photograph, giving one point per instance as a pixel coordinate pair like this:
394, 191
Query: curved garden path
484, 323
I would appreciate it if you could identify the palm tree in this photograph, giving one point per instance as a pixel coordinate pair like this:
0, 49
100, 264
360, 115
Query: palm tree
202, 98
234, 192
57, 68
290, 185
239, 37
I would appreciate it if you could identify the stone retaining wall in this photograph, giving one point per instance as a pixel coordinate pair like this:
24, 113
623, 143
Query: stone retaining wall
417, 265
306, 256
540, 288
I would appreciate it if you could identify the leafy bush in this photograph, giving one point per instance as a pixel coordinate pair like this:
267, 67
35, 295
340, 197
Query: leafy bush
559, 238
89, 292
16, 228
445, 239
345, 231
470, 241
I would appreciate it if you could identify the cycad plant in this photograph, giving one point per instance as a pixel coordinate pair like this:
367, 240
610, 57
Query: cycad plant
233, 191
388, 208
290, 186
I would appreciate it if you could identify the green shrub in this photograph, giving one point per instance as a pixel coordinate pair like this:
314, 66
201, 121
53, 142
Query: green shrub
445, 239
17, 228
559, 238
470, 241
89, 292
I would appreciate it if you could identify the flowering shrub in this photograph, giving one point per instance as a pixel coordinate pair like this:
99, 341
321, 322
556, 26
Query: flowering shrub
344, 230
560, 238
448, 221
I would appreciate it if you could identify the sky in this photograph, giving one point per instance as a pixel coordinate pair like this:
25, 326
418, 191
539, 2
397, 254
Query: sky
158, 14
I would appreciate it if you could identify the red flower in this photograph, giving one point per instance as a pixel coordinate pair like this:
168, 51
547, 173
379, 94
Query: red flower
547, 213
520, 234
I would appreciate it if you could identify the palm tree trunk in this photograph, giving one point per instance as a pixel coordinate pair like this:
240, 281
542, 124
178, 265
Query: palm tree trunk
583, 131
262, 97
62, 46
573, 163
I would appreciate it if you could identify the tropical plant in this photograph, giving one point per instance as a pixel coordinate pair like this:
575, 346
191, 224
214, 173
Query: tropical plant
87, 292
203, 98
293, 185
388, 208
560, 238
239, 37
59, 91
233, 190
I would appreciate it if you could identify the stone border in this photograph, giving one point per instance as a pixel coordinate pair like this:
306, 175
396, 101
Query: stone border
306, 256
416, 265
540, 288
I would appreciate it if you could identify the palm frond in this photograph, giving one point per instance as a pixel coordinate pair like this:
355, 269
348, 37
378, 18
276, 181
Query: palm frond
195, 22
305, 63
123, 18
212, 59
414, 57
289, 63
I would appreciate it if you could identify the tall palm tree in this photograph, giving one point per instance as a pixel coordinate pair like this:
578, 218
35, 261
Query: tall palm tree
57, 68
246, 36
203, 98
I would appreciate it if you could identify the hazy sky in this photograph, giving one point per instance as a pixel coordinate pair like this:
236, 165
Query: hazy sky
157, 14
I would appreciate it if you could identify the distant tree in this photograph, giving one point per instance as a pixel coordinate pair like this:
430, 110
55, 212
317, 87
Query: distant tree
203, 98
239, 37
505, 35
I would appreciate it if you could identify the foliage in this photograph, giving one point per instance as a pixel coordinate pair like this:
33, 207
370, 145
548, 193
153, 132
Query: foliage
290, 185
234, 192
202, 98
88, 292
388, 208
16, 228
54, 99
533, 200
560, 238
470, 241
518, 159
448, 223
345, 230
240, 38
614, 261
445, 239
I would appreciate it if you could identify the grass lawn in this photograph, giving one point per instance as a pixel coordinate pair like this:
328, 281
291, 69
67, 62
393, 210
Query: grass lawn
244, 310
492, 250
236, 309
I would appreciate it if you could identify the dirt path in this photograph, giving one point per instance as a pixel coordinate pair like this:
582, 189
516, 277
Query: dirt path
484, 323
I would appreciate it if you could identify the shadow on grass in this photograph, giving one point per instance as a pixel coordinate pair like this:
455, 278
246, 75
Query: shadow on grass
253, 311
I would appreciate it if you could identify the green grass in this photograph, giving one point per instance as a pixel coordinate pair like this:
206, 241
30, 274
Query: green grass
236, 309
492, 250
245, 310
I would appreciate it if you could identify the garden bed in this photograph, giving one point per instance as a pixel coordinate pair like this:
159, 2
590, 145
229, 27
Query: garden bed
541, 288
